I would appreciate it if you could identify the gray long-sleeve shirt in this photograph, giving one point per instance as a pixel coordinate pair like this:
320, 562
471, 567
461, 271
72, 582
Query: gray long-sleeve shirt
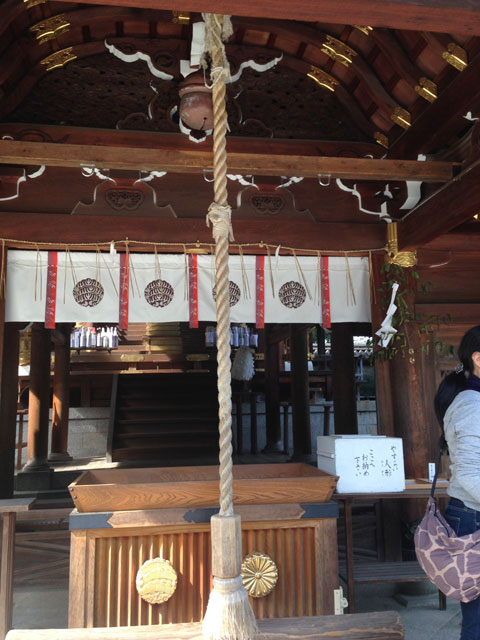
462, 432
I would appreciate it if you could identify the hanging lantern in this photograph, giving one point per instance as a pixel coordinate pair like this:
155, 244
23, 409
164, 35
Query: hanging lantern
196, 107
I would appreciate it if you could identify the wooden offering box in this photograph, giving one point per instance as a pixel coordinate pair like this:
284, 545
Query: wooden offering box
163, 488
125, 517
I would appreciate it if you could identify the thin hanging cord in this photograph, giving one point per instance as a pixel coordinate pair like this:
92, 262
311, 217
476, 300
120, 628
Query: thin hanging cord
318, 279
38, 266
371, 278
186, 289
2, 276
270, 270
246, 284
301, 275
108, 270
350, 287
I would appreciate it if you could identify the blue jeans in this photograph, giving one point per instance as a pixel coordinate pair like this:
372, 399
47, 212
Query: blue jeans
464, 520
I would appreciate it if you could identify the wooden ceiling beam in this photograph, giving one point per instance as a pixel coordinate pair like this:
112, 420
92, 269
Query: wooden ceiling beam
396, 55
50, 231
451, 205
444, 16
316, 38
443, 118
196, 161
178, 141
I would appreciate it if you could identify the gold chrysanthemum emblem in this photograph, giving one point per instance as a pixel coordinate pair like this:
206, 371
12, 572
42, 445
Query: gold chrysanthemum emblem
259, 574
156, 580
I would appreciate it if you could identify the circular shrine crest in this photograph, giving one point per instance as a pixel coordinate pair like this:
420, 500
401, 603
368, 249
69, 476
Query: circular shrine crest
156, 580
159, 293
259, 574
233, 290
292, 294
88, 292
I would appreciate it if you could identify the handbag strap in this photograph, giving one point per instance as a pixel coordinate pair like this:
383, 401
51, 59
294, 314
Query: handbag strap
439, 462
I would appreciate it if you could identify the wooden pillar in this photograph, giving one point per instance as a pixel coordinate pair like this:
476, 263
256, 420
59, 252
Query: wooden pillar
272, 396
39, 400
302, 437
383, 383
8, 407
343, 366
61, 394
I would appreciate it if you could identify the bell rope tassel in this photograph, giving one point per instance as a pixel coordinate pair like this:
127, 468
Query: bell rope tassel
229, 615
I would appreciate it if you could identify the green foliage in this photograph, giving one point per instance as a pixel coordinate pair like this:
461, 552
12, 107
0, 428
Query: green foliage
425, 325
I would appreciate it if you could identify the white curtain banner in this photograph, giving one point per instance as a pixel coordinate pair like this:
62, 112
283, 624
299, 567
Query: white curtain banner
241, 289
87, 288
157, 288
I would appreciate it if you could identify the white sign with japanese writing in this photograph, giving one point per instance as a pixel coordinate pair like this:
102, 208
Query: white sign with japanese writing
364, 464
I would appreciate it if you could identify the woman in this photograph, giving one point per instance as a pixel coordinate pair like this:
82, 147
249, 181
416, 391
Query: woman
457, 405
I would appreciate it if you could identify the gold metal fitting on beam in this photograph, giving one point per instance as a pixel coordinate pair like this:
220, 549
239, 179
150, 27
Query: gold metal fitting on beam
28, 4
180, 17
427, 89
456, 56
59, 59
365, 30
322, 78
401, 117
381, 139
338, 51
394, 256
50, 28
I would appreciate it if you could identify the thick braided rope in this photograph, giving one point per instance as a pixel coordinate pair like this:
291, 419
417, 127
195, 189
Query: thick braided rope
221, 234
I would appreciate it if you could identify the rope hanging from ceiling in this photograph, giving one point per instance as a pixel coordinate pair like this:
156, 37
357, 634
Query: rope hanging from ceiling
229, 615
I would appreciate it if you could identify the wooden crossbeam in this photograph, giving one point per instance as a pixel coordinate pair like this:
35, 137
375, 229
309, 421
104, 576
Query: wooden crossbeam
444, 16
58, 230
447, 208
178, 141
195, 161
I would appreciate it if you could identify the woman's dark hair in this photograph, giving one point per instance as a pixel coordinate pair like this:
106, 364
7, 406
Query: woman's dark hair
454, 382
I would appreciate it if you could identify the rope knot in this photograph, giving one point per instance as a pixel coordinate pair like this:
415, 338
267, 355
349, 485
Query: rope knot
227, 585
219, 216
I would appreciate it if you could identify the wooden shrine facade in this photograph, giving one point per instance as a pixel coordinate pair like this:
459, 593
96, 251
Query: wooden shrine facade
353, 130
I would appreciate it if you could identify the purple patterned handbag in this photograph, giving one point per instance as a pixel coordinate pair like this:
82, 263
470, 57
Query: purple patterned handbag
451, 562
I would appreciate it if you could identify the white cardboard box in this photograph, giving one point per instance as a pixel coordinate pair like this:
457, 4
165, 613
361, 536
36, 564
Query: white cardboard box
364, 463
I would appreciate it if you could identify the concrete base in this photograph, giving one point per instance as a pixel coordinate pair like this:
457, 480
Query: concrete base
59, 457
273, 447
306, 458
410, 601
34, 482
415, 589
33, 479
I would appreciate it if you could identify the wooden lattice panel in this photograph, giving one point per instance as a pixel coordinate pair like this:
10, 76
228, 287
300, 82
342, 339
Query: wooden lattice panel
304, 551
